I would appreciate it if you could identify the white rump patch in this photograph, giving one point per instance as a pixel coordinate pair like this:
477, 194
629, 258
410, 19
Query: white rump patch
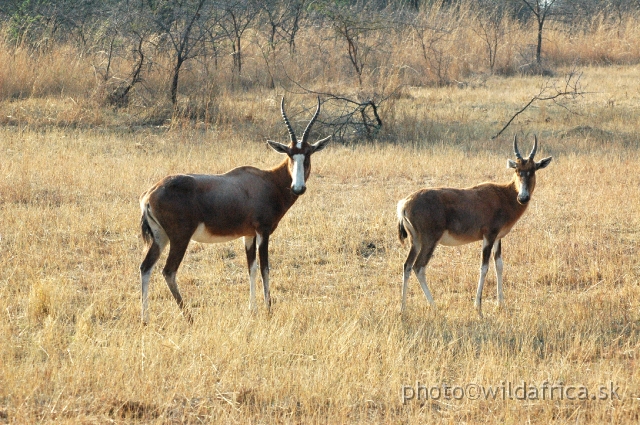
298, 172
159, 235
448, 239
400, 209
202, 235
406, 223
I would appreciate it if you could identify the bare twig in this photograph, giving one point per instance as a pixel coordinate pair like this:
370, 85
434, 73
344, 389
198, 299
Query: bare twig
351, 115
551, 90
119, 96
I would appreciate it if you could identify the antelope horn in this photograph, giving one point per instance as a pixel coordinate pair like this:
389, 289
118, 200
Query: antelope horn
535, 147
515, 148
305, 135
292, 135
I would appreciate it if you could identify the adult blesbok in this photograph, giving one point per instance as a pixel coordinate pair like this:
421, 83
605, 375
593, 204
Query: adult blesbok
244, 202
453, 217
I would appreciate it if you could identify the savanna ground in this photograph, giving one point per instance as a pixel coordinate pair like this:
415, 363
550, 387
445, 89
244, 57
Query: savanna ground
335, 348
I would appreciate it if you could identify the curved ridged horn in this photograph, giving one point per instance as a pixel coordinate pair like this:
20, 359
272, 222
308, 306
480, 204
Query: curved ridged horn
292, 135
515, 148
315, 116
535, 147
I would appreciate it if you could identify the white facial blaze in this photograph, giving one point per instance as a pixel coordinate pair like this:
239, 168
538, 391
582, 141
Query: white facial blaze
524, 189
298, 172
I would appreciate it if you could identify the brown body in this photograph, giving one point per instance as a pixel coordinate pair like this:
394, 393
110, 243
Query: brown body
245, 202
449, 216
224, 203
466, 215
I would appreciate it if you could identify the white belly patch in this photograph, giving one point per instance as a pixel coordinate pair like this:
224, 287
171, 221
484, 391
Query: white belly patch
503, 233
202, 235
450, 240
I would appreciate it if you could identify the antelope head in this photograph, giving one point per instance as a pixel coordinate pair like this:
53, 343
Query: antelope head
299, 151
525, 171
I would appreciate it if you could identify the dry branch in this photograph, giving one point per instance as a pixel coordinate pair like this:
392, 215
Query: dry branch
551, 90
351, 116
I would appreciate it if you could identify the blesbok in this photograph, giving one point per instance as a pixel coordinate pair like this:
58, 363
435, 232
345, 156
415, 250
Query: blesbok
451, 217
244, 202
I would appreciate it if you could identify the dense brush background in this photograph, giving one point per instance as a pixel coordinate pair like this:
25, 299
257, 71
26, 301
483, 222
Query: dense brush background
91, 118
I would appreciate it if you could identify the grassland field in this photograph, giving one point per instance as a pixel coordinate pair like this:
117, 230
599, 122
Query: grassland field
334, 348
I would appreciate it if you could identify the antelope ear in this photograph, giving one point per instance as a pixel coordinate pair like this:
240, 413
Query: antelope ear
279, 147
543, 163
320, 144
511, 163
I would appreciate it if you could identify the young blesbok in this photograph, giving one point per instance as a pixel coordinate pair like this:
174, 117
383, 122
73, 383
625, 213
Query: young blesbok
244, 202
453, 217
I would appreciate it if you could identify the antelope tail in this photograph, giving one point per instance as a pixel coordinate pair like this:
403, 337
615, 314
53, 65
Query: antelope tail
402, 232
147, 233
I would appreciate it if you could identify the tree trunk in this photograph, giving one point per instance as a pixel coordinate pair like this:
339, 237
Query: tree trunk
174, 81
239, 55
539, 47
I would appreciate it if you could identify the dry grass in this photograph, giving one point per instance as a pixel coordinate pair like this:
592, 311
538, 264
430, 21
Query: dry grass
335, 348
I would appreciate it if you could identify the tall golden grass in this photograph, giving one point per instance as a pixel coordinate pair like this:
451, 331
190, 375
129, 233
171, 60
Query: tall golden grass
335, 348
